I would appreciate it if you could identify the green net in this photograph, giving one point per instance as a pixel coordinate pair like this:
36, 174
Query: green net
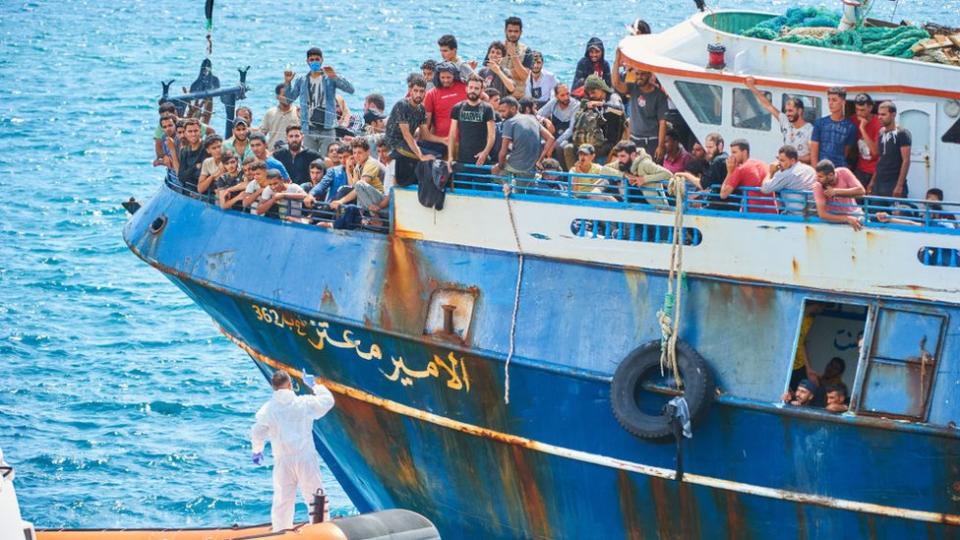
895, 41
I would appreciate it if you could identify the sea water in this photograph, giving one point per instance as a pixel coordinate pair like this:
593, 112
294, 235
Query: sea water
120, 403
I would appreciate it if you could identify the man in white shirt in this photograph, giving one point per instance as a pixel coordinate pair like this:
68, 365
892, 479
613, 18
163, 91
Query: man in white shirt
276, 120
540, 83
795, 129
788, 173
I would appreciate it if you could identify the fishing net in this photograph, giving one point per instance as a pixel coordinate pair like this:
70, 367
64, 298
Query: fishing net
818, 27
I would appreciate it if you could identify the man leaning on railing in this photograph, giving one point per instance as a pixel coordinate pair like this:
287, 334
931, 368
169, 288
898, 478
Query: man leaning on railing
835, 193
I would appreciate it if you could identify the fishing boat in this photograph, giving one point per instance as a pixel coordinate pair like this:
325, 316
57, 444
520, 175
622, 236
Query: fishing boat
499, 367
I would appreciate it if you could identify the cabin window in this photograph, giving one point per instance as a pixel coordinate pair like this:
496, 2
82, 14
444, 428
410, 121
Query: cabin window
825, 360
811, 106
902, 365
747, 111
952, 135
705, 100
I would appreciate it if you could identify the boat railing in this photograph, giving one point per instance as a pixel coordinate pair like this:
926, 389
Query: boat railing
347, 216
786, 205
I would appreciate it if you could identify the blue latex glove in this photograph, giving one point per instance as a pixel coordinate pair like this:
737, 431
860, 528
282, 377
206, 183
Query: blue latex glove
257, 458
309, 379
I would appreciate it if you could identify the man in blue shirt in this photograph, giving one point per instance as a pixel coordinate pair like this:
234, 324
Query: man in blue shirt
317, 93
258, 145
334, 179
834, 135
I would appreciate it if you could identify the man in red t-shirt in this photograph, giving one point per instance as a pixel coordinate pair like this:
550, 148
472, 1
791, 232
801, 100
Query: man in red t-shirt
745, 172
868, 137
447, 92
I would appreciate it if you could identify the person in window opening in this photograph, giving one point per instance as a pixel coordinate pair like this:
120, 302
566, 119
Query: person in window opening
788, 173
890, 175
318, 105
647, 108
837, 398
834, 136
835, 193
794, 127
832, 372
742, 171
803, 395
868, 137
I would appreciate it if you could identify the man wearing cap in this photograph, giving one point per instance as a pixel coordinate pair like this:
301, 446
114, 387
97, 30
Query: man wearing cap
868, 137
448, 90
239, 142
520, 149
598, 98
295, 158
278, 118
648, 109
318, 102
589, 184
803, 395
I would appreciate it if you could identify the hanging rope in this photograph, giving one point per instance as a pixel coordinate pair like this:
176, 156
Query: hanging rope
516, 301
669, 315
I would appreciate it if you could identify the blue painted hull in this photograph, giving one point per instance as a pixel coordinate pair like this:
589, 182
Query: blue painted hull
554, 462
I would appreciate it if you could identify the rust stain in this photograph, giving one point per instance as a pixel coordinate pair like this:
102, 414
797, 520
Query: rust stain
327, 301
533, 504
796, 267
810, 232
628, 506
663, 508
690, 522
802, 532
403, 302
385, 448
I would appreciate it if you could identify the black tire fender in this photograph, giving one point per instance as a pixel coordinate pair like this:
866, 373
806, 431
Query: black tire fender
698, 388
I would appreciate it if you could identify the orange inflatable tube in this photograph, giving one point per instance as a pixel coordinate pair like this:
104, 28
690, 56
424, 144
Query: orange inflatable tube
318, 531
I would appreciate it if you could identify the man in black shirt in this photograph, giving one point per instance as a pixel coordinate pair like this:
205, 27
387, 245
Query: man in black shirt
295, 158
472, 129
406, 117
191, 155
890, 178
716, 172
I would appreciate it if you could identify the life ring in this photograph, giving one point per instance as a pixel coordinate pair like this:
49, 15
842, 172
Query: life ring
698, 388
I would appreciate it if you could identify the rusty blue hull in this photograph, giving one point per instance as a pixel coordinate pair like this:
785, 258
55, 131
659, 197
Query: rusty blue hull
421, 421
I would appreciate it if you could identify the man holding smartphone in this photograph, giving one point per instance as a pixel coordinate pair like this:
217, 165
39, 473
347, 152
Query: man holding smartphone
317, 93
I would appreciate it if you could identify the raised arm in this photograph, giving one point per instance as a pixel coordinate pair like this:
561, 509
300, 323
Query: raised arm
751, 84
615, 79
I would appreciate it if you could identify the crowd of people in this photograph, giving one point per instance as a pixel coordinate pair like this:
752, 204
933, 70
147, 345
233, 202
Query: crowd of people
608, 135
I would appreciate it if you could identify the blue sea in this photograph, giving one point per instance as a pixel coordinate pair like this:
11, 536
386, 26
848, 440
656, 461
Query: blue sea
120, 403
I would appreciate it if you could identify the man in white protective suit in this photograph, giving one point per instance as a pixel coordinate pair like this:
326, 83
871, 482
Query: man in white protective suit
287, 422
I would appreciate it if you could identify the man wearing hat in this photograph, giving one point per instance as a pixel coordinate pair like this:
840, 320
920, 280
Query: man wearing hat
803, 395
599, 121
586, 153
239, 142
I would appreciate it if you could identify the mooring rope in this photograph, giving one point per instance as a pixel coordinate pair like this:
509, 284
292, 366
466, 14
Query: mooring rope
516, 302
669, 315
